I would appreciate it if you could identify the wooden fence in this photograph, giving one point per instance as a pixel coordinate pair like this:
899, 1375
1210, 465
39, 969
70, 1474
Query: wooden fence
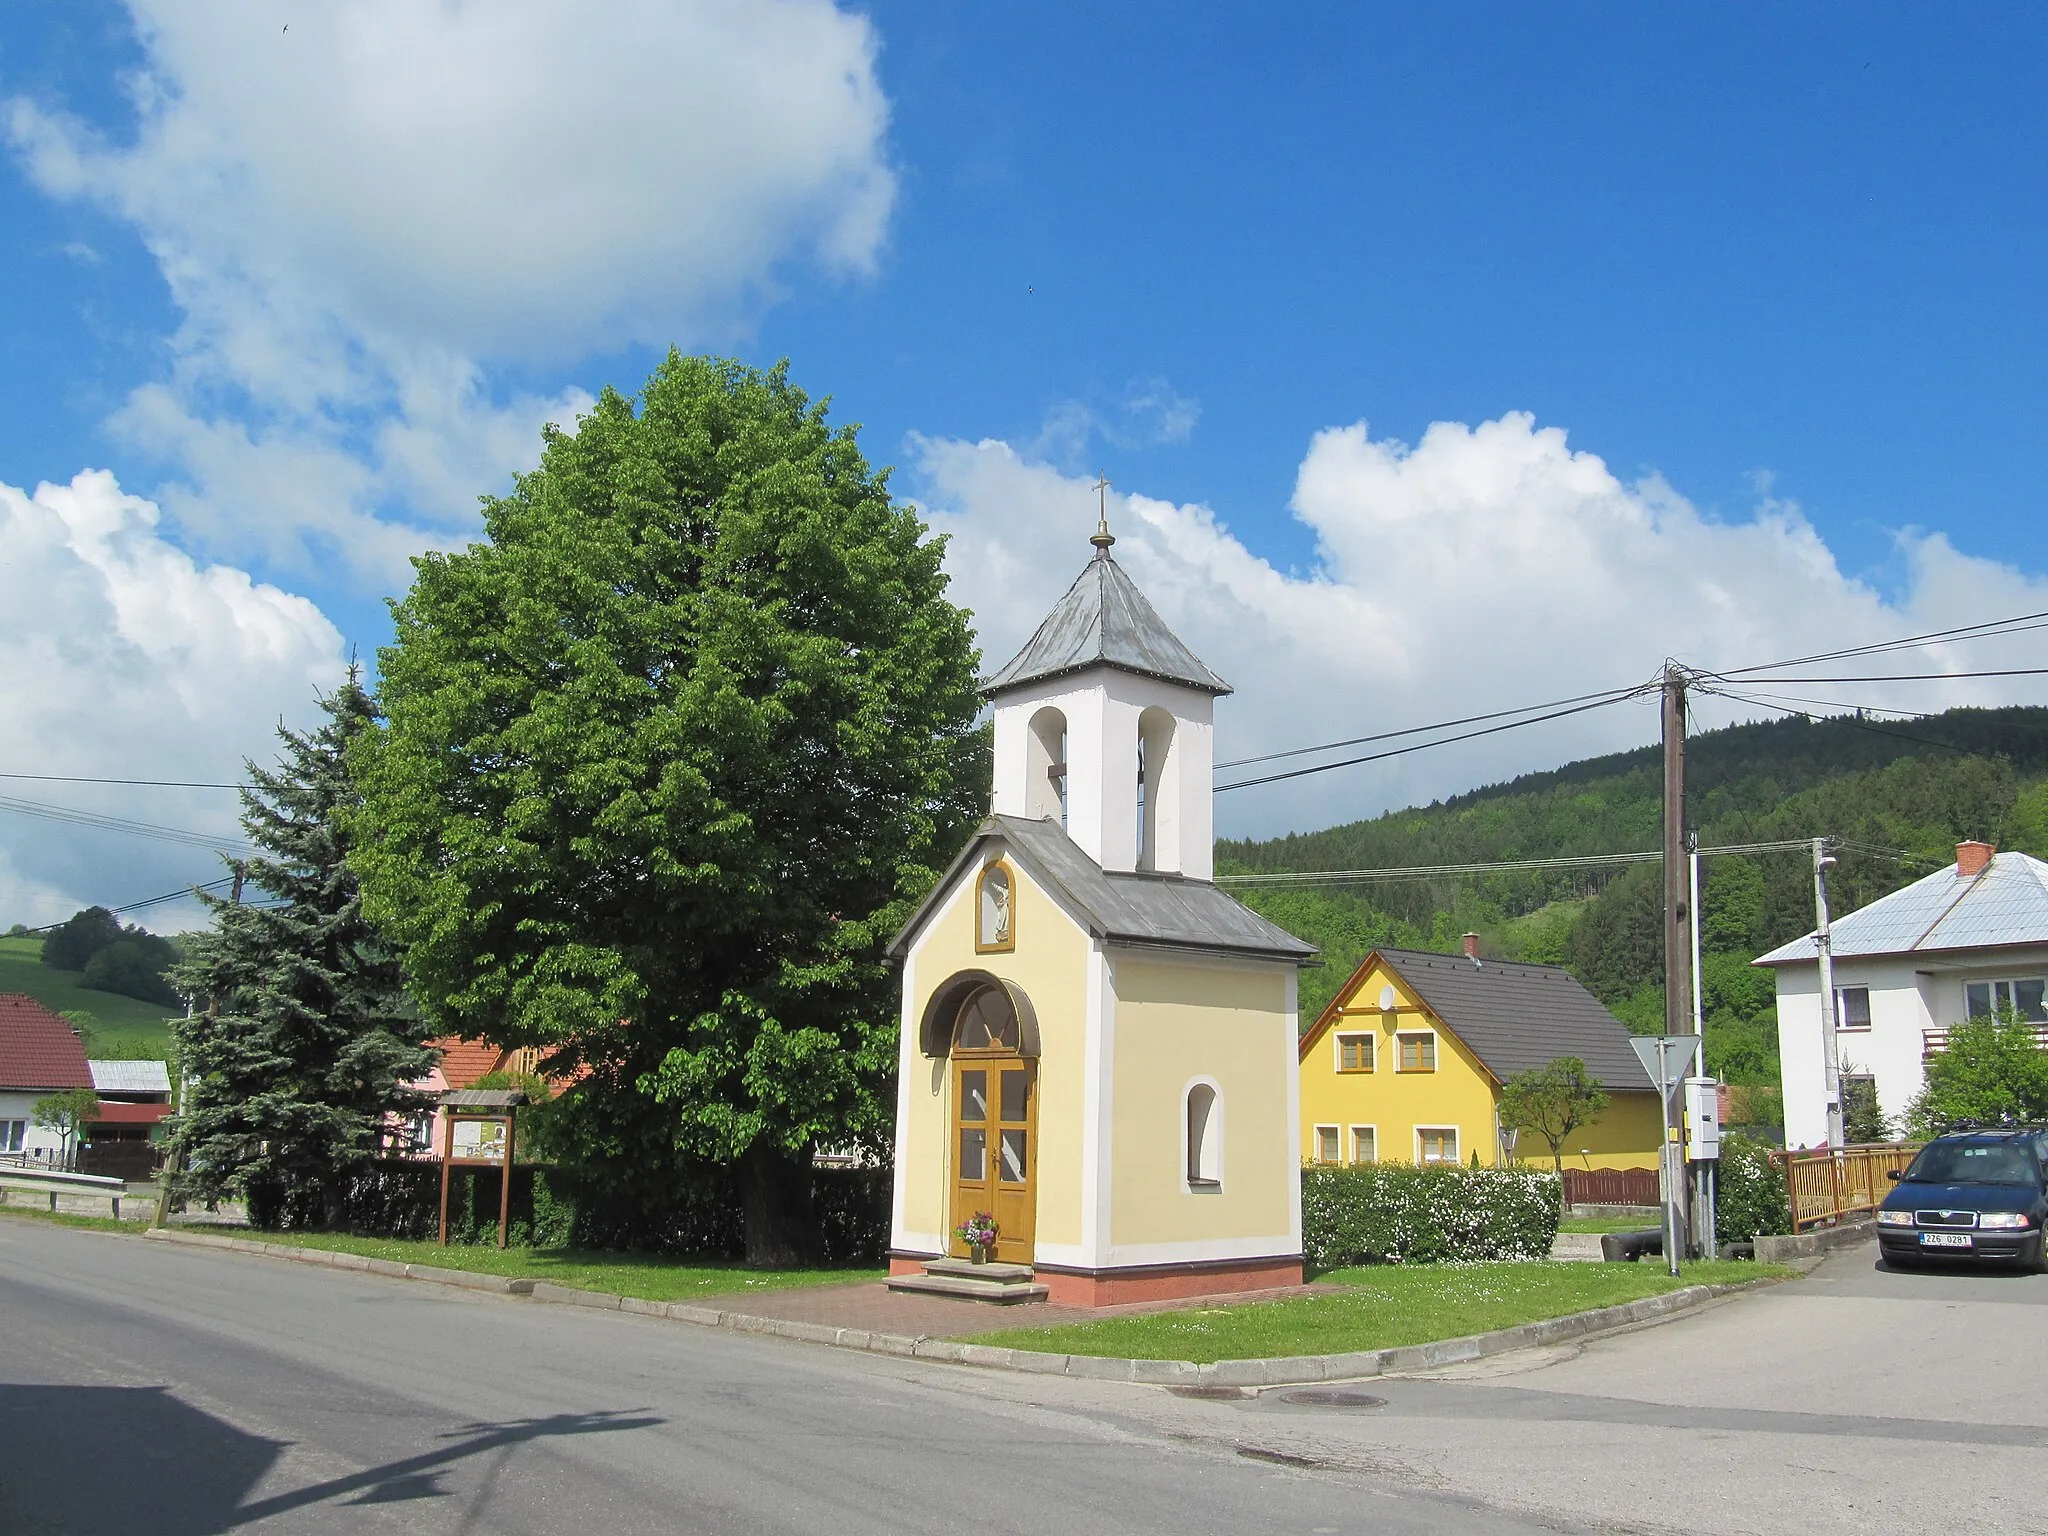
1610, 1186
1828, 1184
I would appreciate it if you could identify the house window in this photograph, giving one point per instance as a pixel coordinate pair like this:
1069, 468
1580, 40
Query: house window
1852, 1007
1329, 1149
1354, 1053
2022, 996
1418, 1053
1205, 1137
1364, 1144
1436, 1144
12, 1134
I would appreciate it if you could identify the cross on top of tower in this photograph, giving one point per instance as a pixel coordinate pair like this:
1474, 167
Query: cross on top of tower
1102, 538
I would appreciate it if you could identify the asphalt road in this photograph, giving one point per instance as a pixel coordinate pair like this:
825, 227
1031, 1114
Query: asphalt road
145, 1388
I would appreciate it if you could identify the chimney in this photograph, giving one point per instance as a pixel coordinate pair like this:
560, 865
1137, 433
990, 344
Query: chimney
1972, 857
1472, 947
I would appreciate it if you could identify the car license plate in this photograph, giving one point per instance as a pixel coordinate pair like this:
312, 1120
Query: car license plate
1944, 1239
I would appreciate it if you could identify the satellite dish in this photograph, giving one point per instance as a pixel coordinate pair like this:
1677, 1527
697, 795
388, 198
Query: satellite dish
1388, 998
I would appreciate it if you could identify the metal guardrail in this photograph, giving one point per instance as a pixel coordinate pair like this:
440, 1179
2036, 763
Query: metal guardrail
1829, 1183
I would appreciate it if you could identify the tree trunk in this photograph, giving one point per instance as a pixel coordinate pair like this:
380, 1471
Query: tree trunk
775, 1202
333, 1204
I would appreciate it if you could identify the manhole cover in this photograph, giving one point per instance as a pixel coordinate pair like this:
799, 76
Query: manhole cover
1213, 1394
1332, 1397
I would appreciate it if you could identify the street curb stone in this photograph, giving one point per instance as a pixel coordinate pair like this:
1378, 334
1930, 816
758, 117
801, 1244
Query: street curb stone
1290, 1370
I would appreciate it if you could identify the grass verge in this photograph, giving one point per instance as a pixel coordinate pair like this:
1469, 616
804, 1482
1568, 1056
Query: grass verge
651, 1277
1380, 1308
1605, 1224
66, 1219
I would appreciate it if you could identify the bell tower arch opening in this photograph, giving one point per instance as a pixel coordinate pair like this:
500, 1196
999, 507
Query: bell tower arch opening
1045, 774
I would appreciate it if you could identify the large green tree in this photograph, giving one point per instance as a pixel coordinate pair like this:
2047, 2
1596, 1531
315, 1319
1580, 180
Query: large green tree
668, 756
304, 1038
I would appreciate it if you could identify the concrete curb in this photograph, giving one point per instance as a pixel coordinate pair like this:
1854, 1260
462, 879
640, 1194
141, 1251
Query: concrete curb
1292, 1370
1811, 1245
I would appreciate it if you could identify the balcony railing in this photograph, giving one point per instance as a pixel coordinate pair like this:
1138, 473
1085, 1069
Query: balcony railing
1935, 1040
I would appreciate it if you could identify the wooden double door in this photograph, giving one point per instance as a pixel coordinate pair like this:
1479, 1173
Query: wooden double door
995, 1115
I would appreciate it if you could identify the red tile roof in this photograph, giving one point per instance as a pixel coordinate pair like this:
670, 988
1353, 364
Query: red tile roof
37, 1048
465, 1062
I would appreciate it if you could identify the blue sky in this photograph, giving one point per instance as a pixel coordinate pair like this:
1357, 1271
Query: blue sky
1731, 318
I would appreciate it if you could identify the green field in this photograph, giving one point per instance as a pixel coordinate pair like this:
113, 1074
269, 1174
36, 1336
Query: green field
122, 1027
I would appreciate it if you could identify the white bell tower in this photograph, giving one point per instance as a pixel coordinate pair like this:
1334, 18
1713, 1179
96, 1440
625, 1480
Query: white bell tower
1103, 723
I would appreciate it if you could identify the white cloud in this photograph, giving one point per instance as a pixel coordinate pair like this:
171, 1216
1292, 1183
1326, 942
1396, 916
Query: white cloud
125, 659
1484, 568
359, 212
1151, 414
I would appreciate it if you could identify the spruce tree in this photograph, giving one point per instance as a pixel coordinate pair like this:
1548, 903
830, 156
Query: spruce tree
302, 1039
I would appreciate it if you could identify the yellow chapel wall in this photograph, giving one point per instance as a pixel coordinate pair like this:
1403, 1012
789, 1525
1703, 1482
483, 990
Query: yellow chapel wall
1177, 1020
1050, 963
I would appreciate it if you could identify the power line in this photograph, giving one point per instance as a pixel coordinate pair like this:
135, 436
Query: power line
1415, 730
1895, 677
1990, 629
120, 824
70, 778
149, 901
1441, 741
1566, 861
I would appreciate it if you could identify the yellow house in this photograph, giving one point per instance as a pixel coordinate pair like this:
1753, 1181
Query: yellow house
1406, 1064
1097, 1042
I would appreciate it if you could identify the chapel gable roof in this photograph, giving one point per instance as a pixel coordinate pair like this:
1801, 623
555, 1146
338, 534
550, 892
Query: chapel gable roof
1131, 908
38, 1049
1104, 621
1512, 1017
2004, 903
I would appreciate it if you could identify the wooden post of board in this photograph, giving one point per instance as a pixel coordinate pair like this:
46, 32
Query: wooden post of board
447, 1157
505, 1185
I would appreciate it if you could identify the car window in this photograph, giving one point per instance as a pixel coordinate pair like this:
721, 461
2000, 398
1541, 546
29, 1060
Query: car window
1964, 1162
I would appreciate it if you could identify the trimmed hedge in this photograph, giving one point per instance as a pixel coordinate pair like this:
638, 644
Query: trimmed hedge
1398, 1213
557, 1207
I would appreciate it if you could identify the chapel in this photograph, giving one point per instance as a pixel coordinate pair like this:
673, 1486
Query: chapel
1098, 1043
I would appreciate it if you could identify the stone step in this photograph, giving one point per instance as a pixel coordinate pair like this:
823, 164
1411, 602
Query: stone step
973, 1271
1579, 1247
1000, 1293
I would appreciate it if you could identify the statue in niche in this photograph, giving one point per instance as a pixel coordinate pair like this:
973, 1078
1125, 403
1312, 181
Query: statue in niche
993, 930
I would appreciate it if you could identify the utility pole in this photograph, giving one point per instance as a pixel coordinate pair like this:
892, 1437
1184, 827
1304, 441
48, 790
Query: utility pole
1677, 950
1705, 1238
1824, 946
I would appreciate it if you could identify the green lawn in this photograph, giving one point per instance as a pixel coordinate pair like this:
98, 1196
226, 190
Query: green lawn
1606, 1224
122, 1027
64, 1219
1382, 1308
651, 1277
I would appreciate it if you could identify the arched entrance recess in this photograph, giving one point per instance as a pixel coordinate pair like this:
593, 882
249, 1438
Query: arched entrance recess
986, 1027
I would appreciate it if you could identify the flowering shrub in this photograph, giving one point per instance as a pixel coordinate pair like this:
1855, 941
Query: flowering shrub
1398, 1213
1750, 1200
977, 1231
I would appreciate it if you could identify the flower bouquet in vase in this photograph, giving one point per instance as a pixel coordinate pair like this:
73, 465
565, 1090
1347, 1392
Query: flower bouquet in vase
978, 1232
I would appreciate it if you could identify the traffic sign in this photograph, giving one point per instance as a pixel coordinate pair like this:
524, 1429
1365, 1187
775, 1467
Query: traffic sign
1666, 1058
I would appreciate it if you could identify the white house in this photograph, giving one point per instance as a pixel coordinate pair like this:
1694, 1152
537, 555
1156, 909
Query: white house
1959, 943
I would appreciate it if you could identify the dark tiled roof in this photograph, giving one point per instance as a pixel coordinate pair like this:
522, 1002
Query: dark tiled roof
1170, 911
37, 1048
1104, 620
1515, 1017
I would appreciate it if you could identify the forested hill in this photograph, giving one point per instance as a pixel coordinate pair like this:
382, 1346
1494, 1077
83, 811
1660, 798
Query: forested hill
1913, 788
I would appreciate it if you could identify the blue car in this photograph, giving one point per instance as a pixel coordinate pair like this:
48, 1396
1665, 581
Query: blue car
1980, 1195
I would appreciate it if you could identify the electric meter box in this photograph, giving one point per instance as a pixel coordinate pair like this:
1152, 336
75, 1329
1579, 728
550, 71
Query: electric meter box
1702, 1119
